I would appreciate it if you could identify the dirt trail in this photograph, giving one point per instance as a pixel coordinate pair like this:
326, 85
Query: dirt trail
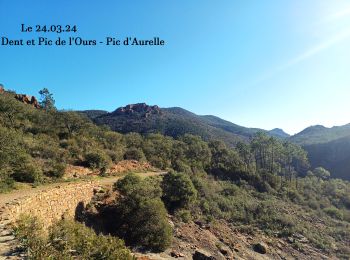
27, 191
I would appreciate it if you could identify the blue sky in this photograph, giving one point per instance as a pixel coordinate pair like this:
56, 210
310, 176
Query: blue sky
256, 63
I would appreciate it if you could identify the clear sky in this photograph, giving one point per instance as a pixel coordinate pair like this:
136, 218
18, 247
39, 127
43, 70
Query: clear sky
256, 63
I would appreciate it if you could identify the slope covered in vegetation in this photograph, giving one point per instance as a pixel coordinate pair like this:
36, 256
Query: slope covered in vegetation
173, 122
327, 147
319, 134
266, 184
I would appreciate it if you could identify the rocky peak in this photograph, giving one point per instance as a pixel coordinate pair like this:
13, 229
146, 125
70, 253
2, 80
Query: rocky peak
278, 132
26, 99
313, 129
139, 109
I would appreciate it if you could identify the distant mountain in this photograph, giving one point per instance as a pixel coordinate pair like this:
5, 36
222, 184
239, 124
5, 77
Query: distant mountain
320, 134
174, 122
93, 113
333, 156
278, 132
327, 147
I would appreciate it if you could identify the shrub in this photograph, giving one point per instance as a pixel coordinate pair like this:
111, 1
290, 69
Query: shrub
313, 204
128, 185
183, 215
97, 160
26, 171
181, 166
334, 213
294, 196
30, 233
178, 190
72, 238
115, 155
134, 154
149, 227
158, 162
68, 240
6, 184
56, 170
140, 215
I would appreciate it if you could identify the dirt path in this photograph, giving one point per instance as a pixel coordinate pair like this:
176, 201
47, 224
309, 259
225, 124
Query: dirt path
27, 191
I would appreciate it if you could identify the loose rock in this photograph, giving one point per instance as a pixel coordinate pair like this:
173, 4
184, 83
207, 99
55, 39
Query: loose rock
260, 248
202, 255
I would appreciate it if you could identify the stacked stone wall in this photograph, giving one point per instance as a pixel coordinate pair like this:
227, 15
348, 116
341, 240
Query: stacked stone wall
49, 206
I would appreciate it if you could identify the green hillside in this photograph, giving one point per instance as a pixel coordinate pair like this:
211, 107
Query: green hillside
319, 134
264, 185
333, 155
174, 122
327, 147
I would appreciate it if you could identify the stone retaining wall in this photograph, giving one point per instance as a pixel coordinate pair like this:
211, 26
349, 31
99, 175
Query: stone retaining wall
49, 206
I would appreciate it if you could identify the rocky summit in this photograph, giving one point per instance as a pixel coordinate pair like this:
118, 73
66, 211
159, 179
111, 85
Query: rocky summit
30, 100
24, 98
140, 109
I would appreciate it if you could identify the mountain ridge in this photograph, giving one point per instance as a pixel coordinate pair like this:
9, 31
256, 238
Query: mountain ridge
320, 134
174, 121
317, 140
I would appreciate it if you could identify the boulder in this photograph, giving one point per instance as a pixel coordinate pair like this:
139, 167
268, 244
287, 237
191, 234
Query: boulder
29, 100
260, 247
224, 250
176, 254
202, 255
34, 102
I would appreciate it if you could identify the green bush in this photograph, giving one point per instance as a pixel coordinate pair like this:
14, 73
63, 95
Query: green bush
56, 170
27, 171
313, 204
72, 238
6, 183
97, 160
128, 185
134, 154
294, 196
181, 166
183, 215
334, 213
140, 216
68, 240
116, 155
149, 226
29, 232
178, 190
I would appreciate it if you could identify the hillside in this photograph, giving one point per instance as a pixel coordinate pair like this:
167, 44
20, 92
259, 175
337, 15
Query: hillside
174, 122
325, 146
93, 113
328, 147
319, 134
279, 133
263, 194
333, 155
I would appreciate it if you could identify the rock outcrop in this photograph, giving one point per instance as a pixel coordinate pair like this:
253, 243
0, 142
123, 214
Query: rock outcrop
202, 255
140, 109
26, 99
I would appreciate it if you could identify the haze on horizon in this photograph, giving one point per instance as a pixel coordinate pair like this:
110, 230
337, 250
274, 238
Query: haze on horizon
260, 64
